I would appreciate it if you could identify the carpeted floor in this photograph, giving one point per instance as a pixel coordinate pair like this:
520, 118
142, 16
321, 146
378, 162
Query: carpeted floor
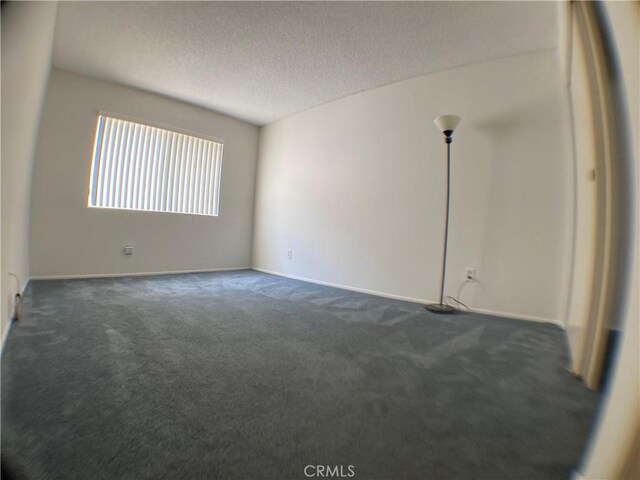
243, 375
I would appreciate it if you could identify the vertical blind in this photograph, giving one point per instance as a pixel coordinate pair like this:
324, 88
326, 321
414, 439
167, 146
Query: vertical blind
140, 167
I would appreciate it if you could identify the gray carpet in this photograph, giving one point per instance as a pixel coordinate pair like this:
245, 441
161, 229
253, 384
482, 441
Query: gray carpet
246, 375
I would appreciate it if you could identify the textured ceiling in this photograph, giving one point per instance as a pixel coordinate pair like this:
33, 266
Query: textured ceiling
262, 61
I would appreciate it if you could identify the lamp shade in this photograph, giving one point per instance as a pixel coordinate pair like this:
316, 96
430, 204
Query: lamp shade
447, 122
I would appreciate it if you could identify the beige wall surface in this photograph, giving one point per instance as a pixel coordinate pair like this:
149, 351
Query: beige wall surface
27, 40
585, 159
615, 433
356, 188
67, 238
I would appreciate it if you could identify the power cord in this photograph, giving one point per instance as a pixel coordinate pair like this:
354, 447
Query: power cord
457, 304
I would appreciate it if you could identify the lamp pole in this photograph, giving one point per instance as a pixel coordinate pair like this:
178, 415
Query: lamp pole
447, 124
448, 139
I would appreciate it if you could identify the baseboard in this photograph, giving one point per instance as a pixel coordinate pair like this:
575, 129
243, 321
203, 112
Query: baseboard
134, 274
515, 316
377, 293
528, 318
345, 287
5, 334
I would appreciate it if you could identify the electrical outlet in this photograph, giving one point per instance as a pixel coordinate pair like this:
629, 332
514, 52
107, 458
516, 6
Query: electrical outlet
289, 254
128, 249
471, 274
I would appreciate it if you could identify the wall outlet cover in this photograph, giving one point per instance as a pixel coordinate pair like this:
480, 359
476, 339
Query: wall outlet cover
471, 273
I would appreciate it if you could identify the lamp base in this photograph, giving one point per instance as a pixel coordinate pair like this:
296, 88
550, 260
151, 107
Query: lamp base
440, 308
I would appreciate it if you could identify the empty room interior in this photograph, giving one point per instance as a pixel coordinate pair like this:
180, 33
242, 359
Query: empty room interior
290, 240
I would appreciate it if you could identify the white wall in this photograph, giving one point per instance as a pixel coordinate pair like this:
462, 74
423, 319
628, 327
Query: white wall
27, 40
356, 188
70, 239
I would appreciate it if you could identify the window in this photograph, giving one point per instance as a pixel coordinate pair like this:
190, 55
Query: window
140, 167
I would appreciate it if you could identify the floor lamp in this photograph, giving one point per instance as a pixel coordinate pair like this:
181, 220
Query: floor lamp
447, 124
